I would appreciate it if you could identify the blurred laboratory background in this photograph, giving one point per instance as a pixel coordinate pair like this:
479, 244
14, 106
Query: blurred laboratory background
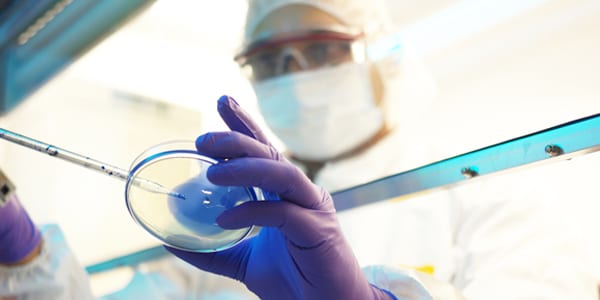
502, 69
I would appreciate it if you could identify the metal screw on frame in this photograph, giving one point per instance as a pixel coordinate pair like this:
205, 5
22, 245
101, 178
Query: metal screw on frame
468, 172
553, 150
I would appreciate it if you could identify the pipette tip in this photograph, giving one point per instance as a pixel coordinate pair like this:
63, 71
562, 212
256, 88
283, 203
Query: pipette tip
177, 195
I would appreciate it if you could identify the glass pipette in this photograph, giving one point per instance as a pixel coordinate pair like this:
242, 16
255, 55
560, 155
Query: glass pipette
85, 161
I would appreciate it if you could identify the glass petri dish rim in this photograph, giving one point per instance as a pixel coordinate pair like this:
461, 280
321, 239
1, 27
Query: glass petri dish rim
253, 192
179, 145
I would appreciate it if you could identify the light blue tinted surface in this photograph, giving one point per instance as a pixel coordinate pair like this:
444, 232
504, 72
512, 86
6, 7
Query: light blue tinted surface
567, 140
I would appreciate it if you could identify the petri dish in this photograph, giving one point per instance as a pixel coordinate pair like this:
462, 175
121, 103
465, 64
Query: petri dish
182, 213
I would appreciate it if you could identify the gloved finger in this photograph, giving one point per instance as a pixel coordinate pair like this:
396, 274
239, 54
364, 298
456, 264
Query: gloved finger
229, 262
233, 144
304, 227
19, 236
280, 177
237, 119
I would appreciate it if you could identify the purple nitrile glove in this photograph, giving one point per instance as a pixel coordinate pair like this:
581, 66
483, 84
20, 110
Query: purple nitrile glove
18, 235
301, 252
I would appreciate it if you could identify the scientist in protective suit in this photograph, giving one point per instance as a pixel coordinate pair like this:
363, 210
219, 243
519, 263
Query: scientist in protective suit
343, 111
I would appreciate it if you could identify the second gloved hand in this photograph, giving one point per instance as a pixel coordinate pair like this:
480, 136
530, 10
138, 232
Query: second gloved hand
19, 237
301, 252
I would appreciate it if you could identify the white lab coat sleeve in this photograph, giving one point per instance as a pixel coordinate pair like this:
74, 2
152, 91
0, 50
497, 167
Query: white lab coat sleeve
54, 274
407, 284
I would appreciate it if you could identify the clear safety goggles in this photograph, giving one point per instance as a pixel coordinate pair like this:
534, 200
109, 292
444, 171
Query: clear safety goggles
296, 52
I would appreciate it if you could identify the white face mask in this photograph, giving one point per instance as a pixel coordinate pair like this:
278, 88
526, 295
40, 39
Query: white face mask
321, 114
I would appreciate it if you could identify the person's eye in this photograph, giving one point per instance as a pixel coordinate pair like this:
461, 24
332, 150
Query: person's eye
263, 60
317, 53
268, 59
339, 50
